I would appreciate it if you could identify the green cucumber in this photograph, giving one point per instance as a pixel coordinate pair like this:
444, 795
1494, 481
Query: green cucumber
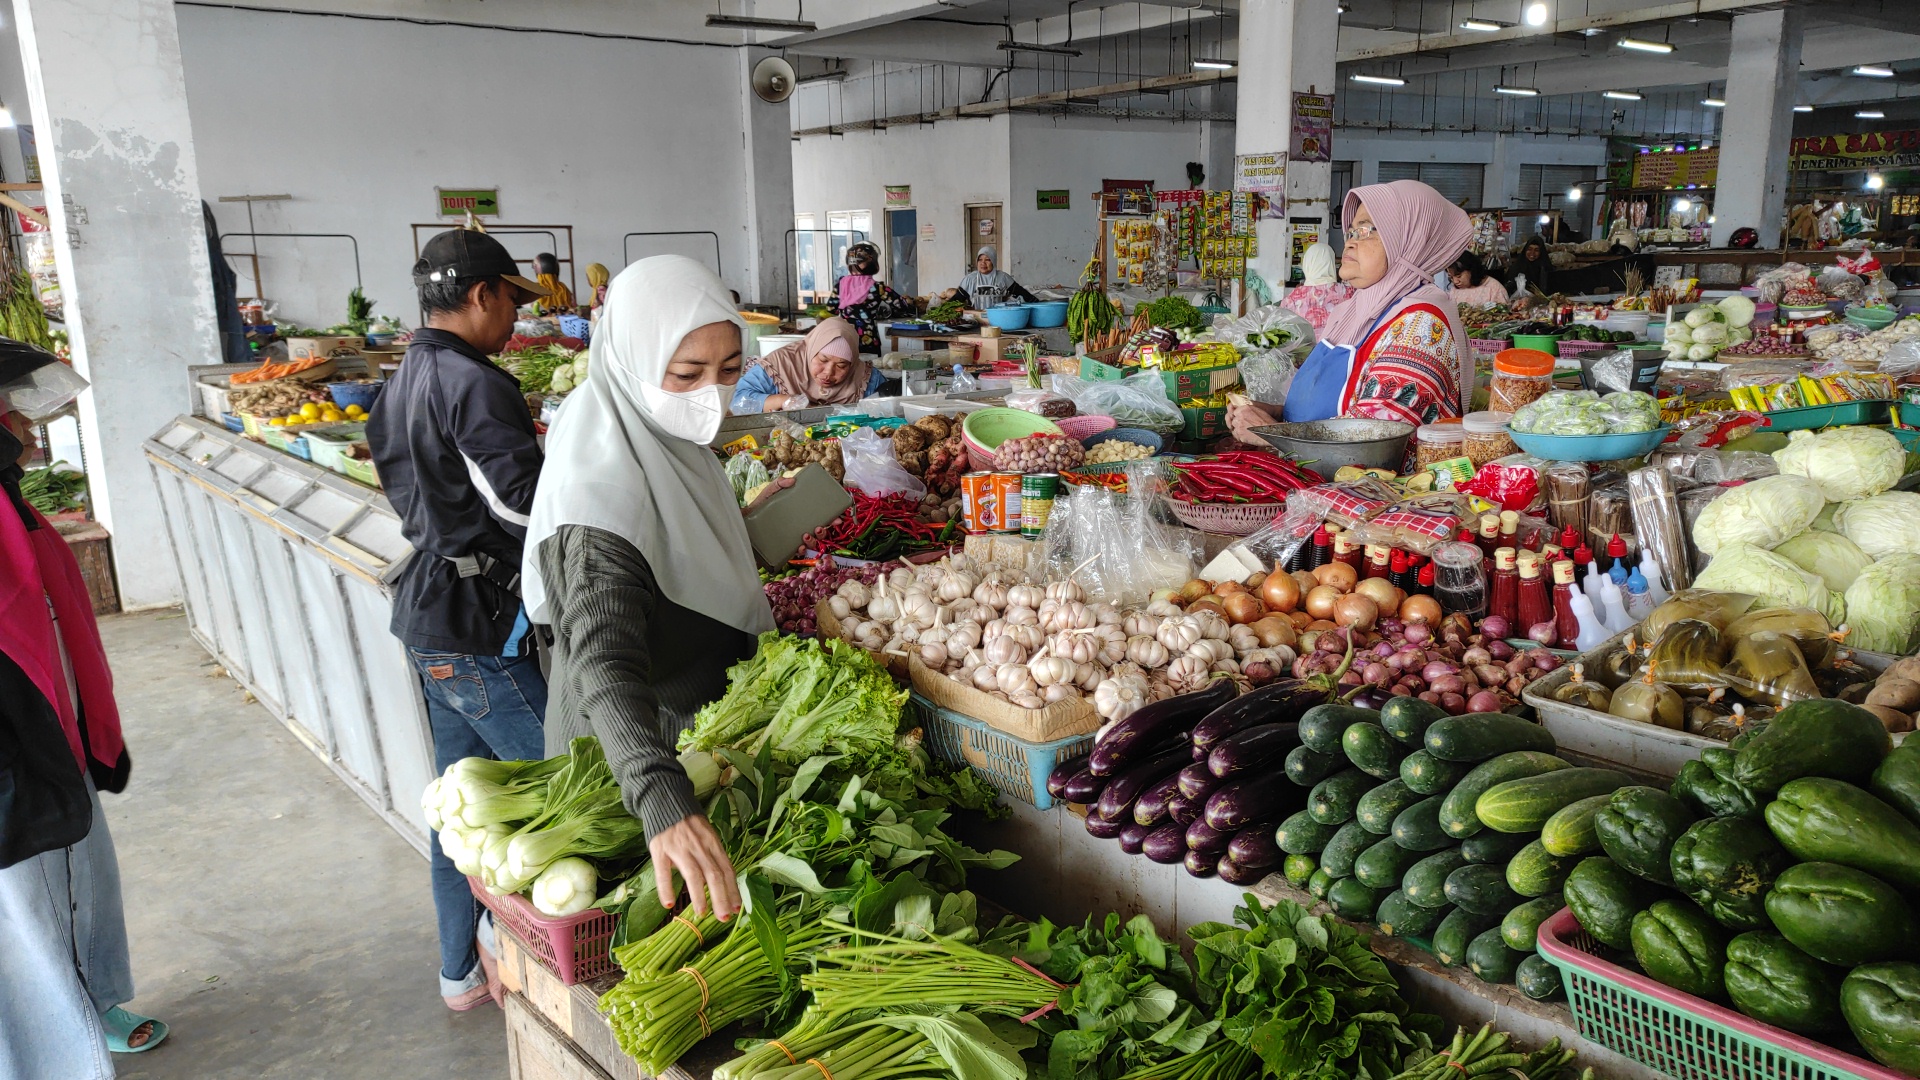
1457, 815
1408, 718
1479, 736
1524, 805
1497, 848
1398, 916
1521, 926
1301, 835
1333, 800
1338, 856
1382, 865
1418, 826
1489, 957
1533, 872
1307, 766
1378, 808
1425, 882
1428, 775
1570, 830
1353, 900
1481, 889
1322, 726
1319, 883
1538, 978
1457, 931
1372, 750
1299, 869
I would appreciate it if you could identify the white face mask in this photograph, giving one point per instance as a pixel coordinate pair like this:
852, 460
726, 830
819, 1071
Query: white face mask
693, 415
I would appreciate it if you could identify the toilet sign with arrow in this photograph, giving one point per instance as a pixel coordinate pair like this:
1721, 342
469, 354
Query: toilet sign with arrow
456, 202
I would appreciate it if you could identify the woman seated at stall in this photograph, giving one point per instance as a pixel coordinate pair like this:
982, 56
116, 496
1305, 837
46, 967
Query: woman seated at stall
824, 368
986, 287
1469, 283
559, 298
1320, 287
1531, 263
1395, 350
863, 300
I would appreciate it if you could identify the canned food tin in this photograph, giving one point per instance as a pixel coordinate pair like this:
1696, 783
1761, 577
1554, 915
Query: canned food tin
1006, 488
1037, 491
979, 505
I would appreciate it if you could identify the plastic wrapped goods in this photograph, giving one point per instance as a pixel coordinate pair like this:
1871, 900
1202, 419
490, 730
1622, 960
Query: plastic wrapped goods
1769, 667
1717, 608
1689, 655
1805, 627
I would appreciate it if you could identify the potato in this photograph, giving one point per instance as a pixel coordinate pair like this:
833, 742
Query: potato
1899, 694
1895, 720
1904, 668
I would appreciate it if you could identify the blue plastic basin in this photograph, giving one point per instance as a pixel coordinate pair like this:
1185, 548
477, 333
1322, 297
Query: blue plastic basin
1011, 317
1629, 444
1049, 313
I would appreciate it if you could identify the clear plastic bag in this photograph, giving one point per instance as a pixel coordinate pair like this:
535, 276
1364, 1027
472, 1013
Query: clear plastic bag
1690, 655
1418, 523
1273, 328
1515, 482
1804, 626
1706, 605
1723, 466
745, 472
871, 466
1838, 283
1268, 375
1769, 667
1902, 359
1114, 546
1135, 401
1041, 402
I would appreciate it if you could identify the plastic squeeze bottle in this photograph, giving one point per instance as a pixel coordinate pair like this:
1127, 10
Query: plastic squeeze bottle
1639, 596
1617, 551
1613, 608
1650, 570
1592, 631
1591, 582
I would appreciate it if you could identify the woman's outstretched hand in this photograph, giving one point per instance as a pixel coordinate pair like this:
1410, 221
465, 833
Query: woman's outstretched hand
693, 848
1242, 419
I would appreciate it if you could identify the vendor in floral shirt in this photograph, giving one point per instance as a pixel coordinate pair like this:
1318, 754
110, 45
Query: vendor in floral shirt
864, 301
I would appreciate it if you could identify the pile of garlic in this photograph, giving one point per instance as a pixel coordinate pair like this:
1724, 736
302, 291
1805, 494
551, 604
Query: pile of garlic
1034, 643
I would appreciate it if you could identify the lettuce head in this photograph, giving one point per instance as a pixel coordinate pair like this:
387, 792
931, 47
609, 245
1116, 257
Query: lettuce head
1763, 513
1883, 606
1884, 525
1776, 580
1847, 462
1835, 558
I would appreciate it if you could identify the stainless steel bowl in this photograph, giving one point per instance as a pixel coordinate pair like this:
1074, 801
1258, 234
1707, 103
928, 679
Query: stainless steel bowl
1330, 444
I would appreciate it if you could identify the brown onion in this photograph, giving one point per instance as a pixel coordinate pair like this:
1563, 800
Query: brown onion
1280, 592
1275, 630
1420, 609
1194, 590
1304, 579
1253, 583
1323, 624
1211, 603
1243, 607
1355, 611
1337, 574
1300, 619
1380, 591
1228, 588
1320, 601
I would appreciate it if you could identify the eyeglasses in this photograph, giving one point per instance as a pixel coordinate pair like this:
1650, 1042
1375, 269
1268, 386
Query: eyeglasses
1362, 232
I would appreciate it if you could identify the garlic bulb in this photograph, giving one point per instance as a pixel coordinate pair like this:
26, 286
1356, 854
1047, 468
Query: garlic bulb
1079, 616
1128, 667
1117, 699
1113, 644
1051, 618
1228, 666
1028, 701
930, 575
1088, 676
934, 654
1179, 634
994, 629
1028, 635
900, 579
1187, 673
1106, 615
1161, 690
967, 609
1242, 638
1058, 692
1210, 650
919, 608
1080, 648
1004, 650
1053, 670
962, 636
1066, 590
1147, 652
839, 606
956, 586
991, 593
1020, 616
855, 593
986, 677
1139, 622
1026, 595
1211, 625
907, 632
872, 636
1015, 679
884, 605
1164, 609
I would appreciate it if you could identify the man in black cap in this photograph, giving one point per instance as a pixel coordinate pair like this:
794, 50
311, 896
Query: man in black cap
456, 452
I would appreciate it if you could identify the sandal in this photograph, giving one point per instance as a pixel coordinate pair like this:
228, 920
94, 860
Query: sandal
469, 999
121, 1025
494, 987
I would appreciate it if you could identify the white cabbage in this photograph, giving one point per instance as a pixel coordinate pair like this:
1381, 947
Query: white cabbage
1776, 581
1847, 462
1883, 606
1884, 525
1763, 513
1835, 558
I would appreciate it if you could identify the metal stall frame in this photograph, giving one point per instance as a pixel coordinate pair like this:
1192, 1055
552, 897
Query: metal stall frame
253, 256
551, 232
626, 253
286, 574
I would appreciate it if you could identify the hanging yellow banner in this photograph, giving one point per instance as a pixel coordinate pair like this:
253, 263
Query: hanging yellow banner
1676, 169
1864, 150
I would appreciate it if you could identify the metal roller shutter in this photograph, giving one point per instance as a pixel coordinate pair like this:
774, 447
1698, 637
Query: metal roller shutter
1462, 182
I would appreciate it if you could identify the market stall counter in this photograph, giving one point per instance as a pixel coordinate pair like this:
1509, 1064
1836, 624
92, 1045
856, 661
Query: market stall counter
286, 572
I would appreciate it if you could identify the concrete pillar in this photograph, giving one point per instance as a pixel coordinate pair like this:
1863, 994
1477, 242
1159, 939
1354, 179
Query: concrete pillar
1763, 72
1316, 29
1217, 137
109, 106
1503, 174
1284, 45
768, 146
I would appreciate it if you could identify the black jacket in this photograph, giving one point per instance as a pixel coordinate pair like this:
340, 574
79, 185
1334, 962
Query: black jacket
457, 454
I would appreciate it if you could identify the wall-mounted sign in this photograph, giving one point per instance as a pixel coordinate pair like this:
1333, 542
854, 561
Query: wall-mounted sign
455, 202
1306, 233
899, 194
1866, 150
926, 230
1263, 173
1676, 169
1313, 127
31, 225
1051, 200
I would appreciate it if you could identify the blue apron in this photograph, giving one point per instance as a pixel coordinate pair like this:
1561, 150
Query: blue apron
1322, 379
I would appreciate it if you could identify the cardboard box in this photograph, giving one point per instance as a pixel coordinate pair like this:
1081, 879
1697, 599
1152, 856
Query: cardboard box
987, 350
1060, 720
304, 348
1203, 423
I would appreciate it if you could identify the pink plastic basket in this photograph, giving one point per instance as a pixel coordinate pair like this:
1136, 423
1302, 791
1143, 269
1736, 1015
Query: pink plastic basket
1581, 348
1489, 346
574, 947
1079, 427
1230, 519
1685, 1037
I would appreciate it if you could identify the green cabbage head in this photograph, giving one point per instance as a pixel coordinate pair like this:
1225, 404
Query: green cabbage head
1883, 525
1847, 462
1835, 558
1883, 606
1763, 513
1776, 580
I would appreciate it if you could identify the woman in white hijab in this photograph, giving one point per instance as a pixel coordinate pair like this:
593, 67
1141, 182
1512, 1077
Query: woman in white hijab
1320, 287
638, 559
987, 286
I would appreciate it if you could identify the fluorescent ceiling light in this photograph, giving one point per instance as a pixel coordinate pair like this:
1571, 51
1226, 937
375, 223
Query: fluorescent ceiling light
1620, 95
1874, 71
748, 22
1210, 64
1875, 181
1484, 25
1517, 91
1536, 14
1869, 114
1714, 102
1034, 46
1803, 108
1573, 194
1644, 46
1380, 80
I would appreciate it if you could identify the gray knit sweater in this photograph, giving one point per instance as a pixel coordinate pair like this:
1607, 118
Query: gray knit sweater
629, 666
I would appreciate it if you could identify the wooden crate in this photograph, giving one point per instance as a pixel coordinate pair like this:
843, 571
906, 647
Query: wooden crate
536, 1050
93, 549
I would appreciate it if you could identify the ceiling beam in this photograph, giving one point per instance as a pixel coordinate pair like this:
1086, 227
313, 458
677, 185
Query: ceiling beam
1863, 13
1574, 24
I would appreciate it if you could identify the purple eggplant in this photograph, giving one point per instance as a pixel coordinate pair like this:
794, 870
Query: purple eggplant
1234, 874
1239, 803
1204, 837
1254, 847
1280, 702
1132, 835
1254, 749
1102, 828
1120, 791
1200, 864
1185, 811
1131, 739
1166, 844
1083, 787
1371, 698
1151, 807
1196, 780
1062, 773
1199, 754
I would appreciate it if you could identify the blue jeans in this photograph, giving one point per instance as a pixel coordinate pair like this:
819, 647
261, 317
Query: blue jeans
63, 959
478, 706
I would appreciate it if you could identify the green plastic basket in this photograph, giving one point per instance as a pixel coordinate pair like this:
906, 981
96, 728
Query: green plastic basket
1819, 416
1682, 1036
1015, 767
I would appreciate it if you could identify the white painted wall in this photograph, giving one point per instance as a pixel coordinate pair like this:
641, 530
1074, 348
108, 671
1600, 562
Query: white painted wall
948, 165
609, 136
1050, 247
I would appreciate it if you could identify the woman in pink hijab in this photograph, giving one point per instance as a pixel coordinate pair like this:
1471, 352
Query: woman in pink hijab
823, 368
1394, 350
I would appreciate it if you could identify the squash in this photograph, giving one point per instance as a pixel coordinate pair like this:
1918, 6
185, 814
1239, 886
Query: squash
1726, 865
